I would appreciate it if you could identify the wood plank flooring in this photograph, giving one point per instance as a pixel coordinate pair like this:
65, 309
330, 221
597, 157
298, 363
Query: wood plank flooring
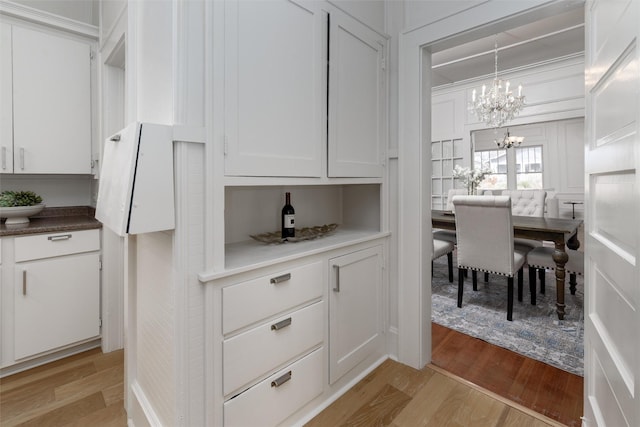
469, 383
87, 390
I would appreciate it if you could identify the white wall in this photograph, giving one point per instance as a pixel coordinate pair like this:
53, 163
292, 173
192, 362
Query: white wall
83, 11
553, 91
55, 190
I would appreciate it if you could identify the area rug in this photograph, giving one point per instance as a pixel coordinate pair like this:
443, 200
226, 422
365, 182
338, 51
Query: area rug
535, 331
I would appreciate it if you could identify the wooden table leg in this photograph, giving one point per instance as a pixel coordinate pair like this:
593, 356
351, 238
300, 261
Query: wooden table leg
560, 257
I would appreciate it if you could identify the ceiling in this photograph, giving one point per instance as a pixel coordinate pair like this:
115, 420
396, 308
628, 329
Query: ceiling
551, 38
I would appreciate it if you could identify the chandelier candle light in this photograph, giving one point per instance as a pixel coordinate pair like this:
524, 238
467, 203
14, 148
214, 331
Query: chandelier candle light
509, 141
498, 105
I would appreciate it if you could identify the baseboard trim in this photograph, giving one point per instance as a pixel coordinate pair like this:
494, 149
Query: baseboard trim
51, 357
141, 412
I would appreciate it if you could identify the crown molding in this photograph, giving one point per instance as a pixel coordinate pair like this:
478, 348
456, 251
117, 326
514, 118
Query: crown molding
15, 10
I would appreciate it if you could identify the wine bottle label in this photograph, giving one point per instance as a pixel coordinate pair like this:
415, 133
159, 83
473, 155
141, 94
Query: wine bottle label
289, 221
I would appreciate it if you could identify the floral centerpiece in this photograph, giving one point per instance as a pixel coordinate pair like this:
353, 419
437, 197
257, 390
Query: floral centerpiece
471, 178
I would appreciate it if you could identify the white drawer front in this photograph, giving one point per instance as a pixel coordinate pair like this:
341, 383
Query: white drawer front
255, 352
56, 244
267, 404
257, 299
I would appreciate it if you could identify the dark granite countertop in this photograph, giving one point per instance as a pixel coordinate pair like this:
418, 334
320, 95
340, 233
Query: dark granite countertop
53, 220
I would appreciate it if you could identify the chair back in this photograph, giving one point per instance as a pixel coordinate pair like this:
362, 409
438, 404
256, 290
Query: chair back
526, 202
454, 192
484, 228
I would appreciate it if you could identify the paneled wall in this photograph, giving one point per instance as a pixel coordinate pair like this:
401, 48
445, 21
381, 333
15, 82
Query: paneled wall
554, 92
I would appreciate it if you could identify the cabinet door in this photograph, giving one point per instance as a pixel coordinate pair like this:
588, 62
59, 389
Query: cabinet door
51, 103
56, 303
275, 94
355, 311
357, 87
6, 101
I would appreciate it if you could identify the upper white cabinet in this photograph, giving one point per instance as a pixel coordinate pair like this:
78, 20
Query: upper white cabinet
49, 76
275, 95
288, 113
6, 101
357, 86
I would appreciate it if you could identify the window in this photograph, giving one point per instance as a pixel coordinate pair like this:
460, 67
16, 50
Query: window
529, 167
523, 163
496, 160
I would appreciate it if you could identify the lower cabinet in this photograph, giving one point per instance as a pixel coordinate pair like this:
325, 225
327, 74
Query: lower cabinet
50, 294
277, 397
299, 334
356, 327
56, 303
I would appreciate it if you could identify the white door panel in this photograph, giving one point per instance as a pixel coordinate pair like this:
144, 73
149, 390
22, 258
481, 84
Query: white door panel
275, 96
612, 158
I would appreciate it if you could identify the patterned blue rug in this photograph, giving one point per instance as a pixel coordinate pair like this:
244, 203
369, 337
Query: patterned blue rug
535, 331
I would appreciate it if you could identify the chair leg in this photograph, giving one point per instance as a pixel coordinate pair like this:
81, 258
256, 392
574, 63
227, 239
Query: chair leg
520, 283
460, 285
474, 277
532, 284
541, 277
486, 277
450, 265
572, 283
510, 298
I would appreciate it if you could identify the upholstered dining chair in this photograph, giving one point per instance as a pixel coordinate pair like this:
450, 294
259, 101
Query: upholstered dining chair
526, 203
440, 248
484, 228
541, 258
449, 235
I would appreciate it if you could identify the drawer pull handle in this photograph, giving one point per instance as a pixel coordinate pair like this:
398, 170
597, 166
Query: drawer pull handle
115, 138
24, 282
280, 279
4, 157
59, 237
281, 324
337, 287
281, 380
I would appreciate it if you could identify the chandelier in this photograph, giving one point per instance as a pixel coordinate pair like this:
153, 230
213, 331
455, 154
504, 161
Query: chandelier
509, 141
498, 104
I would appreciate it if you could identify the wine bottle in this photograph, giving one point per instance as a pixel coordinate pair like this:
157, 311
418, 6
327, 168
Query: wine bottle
288, 221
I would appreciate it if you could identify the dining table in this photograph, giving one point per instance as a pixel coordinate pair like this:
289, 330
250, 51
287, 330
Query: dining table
556, 230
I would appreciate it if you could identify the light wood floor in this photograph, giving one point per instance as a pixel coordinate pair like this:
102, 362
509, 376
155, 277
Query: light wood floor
82, 390
396, 395
87, 390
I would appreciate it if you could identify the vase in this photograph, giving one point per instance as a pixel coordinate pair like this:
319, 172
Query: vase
472, 189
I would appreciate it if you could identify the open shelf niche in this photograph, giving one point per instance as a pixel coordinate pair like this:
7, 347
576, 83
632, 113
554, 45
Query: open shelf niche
251, 210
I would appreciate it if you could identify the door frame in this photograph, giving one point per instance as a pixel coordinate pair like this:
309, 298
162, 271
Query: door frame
414, 163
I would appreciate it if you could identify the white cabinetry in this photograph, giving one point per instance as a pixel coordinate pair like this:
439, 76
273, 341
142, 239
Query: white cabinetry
355, 310
276, 92
275, 88
50, 293
46, 102
273, 330
6, 101
357, 108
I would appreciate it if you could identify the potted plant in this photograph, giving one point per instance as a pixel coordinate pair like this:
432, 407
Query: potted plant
18, 206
